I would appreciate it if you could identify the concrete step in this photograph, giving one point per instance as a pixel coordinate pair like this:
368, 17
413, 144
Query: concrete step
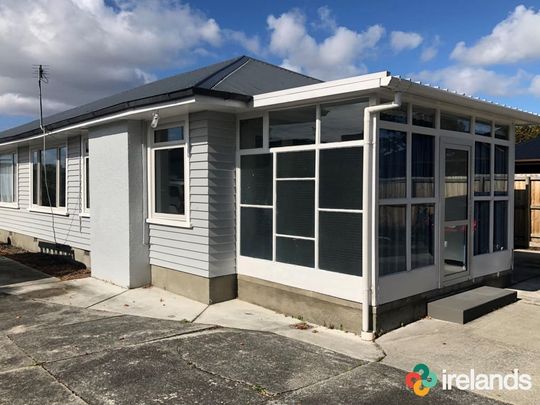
469, 305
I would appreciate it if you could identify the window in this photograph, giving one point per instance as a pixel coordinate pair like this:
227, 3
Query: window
423, 166
452, 122
481, 227
482, 169
49, 177
392, 239
500, 223
168, 162
482, 128
501, 170
398, 114
251, 133
86, 175
502, 131
7, 178
392, 164
256, 179
295, 126
423, 117
343, 121
422, 235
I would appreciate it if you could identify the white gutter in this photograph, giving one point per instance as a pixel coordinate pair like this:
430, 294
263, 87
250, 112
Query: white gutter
368, 206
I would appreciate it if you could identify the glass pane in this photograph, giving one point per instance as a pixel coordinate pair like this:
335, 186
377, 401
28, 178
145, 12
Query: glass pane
169, 134
342, 121
256, 232
340, 178
392, 244
481, 227
87, 161
295, 251
398, 115
295, 126
251, 133
296, 164
500, 223
422, 235
502, 131
295, 207
455, 249
482, 128
482, 168
501, 170
256, 179
48, 178
453, 122
169, 181
423, 117
7, 167
423, 166
392, 164
340, 242
36, 172
456, 184
62, 177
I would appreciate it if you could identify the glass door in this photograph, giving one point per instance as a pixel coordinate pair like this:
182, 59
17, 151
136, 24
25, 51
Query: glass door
456, 214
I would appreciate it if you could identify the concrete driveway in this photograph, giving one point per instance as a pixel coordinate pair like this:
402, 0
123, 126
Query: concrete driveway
52, 353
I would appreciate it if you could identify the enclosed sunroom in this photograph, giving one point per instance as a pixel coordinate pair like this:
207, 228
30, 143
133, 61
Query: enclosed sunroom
372, 192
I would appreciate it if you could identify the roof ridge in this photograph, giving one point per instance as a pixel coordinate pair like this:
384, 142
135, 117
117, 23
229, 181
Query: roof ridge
282, 68
225, 69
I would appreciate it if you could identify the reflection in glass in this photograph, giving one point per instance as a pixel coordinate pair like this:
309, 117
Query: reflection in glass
500, 226
392, 243
481, 227
296, 164
295, 126
482, 128
169, 181
256, 179
502, 131
423, 165
501, 170
7, 177
251, 133
169, 134
343, 121
482, 168
62, 177
423, 116
456, 188
256, 232
455, 249
48, 177
452, 122
398, 115
392, 164
295, 251
422, 235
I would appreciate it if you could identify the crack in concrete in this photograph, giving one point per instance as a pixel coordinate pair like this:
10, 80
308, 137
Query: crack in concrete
106, 299
63, 384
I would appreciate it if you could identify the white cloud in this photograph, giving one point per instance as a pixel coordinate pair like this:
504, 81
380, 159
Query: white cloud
514, 39
534, 87
94, 50
475, 80
339, 55
400, 41
429, 52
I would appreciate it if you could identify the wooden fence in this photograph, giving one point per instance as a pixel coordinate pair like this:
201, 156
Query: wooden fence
526, 211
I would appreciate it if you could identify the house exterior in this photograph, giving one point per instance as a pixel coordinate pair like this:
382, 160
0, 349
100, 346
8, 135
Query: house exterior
350, 203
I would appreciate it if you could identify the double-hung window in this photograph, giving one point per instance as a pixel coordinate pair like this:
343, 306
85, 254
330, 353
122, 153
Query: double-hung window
49, 177
8, 165
168, 174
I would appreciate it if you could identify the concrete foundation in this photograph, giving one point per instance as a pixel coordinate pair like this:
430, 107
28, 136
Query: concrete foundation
202, 289
31, 244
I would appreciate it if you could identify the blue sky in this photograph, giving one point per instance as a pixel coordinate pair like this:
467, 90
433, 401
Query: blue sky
486, 48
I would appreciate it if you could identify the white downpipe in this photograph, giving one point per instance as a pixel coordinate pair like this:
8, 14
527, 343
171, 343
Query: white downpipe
369, 210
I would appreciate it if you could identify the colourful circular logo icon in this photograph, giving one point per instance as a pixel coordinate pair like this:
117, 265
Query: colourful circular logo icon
421, 380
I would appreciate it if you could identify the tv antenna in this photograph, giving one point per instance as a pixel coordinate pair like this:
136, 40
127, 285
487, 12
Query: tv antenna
42, 74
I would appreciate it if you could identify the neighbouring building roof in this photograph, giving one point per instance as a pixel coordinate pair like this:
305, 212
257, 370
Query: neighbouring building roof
528, 151
239, 78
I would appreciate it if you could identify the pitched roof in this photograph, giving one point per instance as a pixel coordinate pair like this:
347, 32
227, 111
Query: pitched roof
238, 78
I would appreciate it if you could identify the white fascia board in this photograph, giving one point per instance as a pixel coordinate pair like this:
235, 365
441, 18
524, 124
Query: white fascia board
446, 96
321, 90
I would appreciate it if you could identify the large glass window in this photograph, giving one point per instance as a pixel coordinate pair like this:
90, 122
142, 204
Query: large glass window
168, 151
392, 239
392, 164
256, 179
422, 235
423, 116
256, 231
49, 177
251, 133
501, 170
482, 128
295, 207
295, 126
500, 223
482, 169
453, 122
343, 121
423, 166
456, 184
481, 227
7, 177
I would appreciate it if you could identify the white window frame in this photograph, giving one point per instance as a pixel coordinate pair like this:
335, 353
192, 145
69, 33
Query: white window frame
15, 202
85, 158
154, 217
40, 208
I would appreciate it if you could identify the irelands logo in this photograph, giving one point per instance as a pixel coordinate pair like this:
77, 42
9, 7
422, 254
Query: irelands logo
421, 380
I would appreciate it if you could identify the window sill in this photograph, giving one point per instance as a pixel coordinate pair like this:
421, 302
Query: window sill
47, 210
169, 222
9, 205
84, 215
